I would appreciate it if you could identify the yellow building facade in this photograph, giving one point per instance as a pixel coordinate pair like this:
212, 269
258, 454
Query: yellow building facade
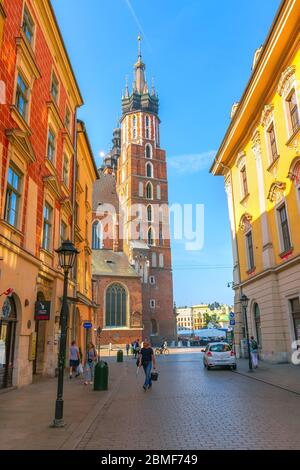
260, 161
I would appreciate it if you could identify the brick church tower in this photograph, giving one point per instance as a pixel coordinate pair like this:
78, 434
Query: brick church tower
142, 187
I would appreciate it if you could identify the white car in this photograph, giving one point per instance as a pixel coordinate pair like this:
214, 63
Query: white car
219, 354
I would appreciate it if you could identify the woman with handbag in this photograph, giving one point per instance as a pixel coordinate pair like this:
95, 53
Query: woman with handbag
91, 357
147, 360
74, 359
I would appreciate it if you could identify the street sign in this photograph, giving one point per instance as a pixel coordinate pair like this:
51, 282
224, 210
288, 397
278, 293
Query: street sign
87, 325
231, 314
42, 310
232, 322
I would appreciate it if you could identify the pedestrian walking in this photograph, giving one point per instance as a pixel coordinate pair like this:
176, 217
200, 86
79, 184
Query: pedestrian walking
254, 352
136, 347
74, 359
147, 360
91, 357
127, 348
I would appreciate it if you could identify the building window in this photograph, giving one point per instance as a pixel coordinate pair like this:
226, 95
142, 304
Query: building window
152, 303
97, 235
141, 189
244, 181
158, 191
152, 280
63, 232
150, 237
148, 150
284, 228
295, 311
149, 191
47, 227
149, 170
147, 127
272, 142
68, 119
154, 329
22, 94
116, 306
51, 146
161, 260
154, 260
134, 130
54, 88
28, 26
250, 252
13, 197
149, 213
66, 170
257, 324
293, 111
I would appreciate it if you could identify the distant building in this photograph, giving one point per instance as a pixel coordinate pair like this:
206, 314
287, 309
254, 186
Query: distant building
194, 318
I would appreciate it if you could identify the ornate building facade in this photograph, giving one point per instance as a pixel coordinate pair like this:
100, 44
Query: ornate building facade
260, 161
136, 170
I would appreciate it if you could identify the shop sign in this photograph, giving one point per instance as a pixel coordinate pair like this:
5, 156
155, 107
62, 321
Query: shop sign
42, 310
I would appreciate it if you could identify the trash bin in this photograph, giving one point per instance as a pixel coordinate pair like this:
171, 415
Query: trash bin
101, 376
120, 356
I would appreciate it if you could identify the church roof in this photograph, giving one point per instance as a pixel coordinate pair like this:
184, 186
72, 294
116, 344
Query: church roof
111, 263
104, 191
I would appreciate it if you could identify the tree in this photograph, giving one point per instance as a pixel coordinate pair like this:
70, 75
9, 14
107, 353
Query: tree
214, 306
211, 318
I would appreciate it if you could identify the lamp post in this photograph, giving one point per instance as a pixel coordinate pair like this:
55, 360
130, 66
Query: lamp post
67, 254
244, 301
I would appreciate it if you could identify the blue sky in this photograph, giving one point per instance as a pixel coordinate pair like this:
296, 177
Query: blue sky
200, 54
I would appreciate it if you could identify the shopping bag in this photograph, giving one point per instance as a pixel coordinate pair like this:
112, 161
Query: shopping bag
80, 369
154, 376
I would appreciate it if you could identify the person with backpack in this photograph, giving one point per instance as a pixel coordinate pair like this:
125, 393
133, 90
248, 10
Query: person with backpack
254, 352
147, 360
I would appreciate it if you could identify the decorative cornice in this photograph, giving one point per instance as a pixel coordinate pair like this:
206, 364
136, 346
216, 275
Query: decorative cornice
294, 171
28, 55
53, 109
20, 140
241, 157
285, 80
245, 222
276, 192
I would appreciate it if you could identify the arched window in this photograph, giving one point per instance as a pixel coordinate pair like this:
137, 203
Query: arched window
116, 306
147, 125
148, 151
149, 191
134, 130
154, 329
149, 213
150, 237
97, 237
257, 324
149, 170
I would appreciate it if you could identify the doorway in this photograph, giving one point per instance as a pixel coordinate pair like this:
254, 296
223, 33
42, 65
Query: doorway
8, 323
40, 329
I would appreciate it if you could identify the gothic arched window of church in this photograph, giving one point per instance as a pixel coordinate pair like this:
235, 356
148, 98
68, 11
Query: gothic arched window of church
150, 237
149, 213
116, 306
149, 170
148, 151
134, 130
147, 119
161, 240
97, 236
149, 191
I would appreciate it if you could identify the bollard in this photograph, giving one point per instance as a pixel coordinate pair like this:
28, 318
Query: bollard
120, 356
101, 376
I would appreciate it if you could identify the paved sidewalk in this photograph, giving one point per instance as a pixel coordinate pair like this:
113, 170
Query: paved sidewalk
27, 413
286, 376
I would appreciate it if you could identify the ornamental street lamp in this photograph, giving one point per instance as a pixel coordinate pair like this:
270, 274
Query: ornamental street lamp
67, 254
244, 302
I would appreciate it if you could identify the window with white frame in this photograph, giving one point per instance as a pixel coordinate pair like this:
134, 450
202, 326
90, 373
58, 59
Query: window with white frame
244, 182
148, 151
47, 227
149, 170
28, 26
152, 303
272, 145
152, 280
97, 235
161, 260
149, 213
150, 237
293, 112
285, 238
149, 191
13, 197
134, 127
154, 260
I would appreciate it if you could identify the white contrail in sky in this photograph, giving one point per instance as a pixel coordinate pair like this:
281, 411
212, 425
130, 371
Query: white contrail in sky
132, 11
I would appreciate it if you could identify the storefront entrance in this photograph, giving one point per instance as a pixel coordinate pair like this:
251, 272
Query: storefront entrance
40, 328
8, 323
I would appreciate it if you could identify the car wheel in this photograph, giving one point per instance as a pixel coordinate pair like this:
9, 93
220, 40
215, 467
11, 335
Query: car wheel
233, 367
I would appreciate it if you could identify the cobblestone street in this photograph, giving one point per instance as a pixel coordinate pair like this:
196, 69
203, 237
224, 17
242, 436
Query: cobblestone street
191, 408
